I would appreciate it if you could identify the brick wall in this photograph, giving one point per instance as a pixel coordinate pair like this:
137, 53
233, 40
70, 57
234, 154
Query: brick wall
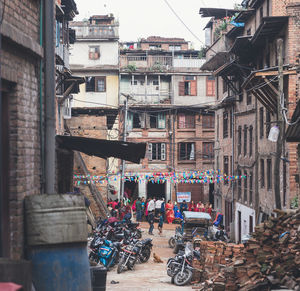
20, 68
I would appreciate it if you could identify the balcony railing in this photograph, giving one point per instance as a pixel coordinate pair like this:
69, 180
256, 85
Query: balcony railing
96, 32
62, 51
156, 62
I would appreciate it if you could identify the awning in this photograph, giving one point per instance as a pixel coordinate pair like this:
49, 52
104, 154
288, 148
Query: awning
232, 69
244, 15
293, 131
269, 27
217, 13
218, 60
129, 151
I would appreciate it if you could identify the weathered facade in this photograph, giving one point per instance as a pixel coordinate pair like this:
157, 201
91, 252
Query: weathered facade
95, 56
168, 108
244, 57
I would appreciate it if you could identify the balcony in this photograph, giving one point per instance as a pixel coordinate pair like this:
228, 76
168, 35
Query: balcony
97, 32
158, 63
62, 53
217, 55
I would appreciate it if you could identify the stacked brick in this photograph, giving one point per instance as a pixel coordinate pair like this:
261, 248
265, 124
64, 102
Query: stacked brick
269, 260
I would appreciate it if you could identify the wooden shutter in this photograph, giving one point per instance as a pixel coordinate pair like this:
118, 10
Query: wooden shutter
181, 89
210, 87
193, 88
163, 151
181, 120
150, 151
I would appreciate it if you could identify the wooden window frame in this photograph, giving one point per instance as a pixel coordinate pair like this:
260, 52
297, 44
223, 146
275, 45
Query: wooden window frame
226, 168
261, 122
94, 55
239, 143
208, 121
208, 150
262, 173
225, 124
188, 123
269, 174
160, 149
210, 86
192, 87
186, 151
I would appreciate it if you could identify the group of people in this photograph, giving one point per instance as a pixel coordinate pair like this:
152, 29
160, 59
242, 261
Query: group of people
154, 209
176, 211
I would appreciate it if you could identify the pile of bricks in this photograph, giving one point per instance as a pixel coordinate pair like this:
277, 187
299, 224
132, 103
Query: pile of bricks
270, 259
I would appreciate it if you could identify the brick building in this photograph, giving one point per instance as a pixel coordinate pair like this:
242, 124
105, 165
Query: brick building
243, 56
169, 109
23, 112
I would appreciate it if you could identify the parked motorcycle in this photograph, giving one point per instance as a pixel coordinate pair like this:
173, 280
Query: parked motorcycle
180, 268
105, 252
137, 251
176, 237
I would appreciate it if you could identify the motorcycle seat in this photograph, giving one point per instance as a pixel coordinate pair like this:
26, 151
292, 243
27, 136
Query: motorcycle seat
133, 224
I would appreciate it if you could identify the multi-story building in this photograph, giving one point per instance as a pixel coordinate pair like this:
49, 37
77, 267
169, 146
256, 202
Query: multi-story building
244, 56
169, 108
95, 56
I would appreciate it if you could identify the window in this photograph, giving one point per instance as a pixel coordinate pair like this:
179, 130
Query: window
268, 123
250, 223
261, 122
245, 187
155, 83
94, 52
231, 123
135, 120
250, 141
239, 140
210, 86
251, 187
208, 150
226, 168
269, 174
249, 98
188, 87
245, 139
225, 124
134, 82
262, 173
174, 47
225, 87
95, 84
157, 151
186, 151
239, 185
157, 120
208, 121
186, 121
154, 46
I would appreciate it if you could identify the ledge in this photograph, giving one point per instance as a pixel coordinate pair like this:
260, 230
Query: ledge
19, 38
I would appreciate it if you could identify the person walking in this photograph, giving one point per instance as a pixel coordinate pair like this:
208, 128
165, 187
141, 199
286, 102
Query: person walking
138, 206
151, 221
160, 223
169, 212
183, 206
158, 203
163, 209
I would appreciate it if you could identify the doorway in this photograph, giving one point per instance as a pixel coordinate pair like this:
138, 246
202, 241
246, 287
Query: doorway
211, 195
240, 226
156, 190
131, 188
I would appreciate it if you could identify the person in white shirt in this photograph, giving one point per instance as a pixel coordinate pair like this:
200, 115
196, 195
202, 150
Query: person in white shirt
158, 206
151, 205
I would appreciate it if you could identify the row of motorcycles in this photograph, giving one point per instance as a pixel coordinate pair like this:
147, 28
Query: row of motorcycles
118, 243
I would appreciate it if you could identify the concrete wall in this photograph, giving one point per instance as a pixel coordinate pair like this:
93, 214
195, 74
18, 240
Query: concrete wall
108, 54
98, 99
201, 97
245, 220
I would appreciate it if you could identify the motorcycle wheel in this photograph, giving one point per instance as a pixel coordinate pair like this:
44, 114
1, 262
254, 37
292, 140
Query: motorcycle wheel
172, 242
176, 248
138, 234
183, 279
120, 266
145, 255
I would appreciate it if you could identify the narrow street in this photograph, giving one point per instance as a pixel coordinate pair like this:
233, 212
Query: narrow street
149, 276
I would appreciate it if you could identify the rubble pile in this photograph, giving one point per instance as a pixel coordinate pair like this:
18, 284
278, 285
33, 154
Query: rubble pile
270, 259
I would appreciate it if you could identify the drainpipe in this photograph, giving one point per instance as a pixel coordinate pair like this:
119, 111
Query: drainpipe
41, 103
49, 99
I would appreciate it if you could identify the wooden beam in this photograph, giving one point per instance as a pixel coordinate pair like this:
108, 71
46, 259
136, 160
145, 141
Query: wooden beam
274, 73
271, 86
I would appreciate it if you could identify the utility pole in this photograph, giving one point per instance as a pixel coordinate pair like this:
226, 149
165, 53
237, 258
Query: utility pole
124, 139
280, 125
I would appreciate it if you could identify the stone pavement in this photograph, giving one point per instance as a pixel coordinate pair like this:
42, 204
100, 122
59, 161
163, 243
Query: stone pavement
148, 276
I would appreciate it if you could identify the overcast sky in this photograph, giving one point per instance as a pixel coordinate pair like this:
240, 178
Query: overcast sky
143, 18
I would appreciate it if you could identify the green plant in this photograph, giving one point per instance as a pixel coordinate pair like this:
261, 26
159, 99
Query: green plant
157, 67
202, 52
131, 68
295, 202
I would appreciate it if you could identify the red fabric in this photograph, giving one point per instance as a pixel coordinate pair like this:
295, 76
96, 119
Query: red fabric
133, 206
169, 212
114, 204
10, 287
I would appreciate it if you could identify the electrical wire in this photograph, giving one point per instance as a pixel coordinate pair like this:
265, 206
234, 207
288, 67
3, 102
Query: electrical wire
284, 111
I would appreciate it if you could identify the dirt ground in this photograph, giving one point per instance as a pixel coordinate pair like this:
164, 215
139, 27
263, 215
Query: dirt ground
150, 275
